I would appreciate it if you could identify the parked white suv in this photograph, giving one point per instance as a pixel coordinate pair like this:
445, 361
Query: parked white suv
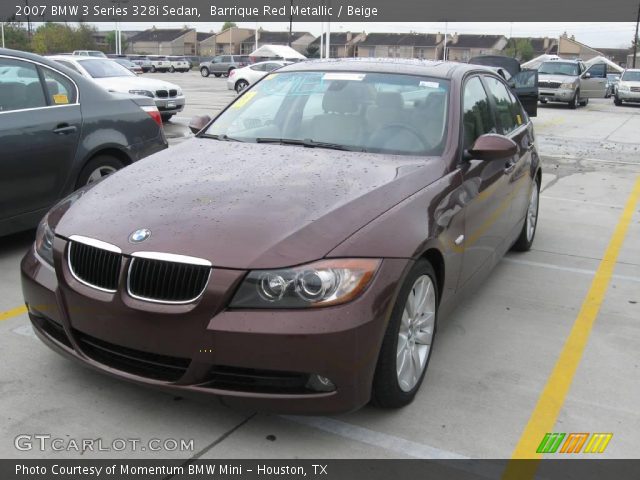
628, 89
159, 63
178, 64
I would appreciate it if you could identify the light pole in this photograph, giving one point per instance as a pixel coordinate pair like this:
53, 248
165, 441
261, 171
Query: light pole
2, 27
635, 39
290, 22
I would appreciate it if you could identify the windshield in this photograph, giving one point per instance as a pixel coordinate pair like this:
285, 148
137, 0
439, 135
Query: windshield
370, 112
105, 69
559, 68
631, 76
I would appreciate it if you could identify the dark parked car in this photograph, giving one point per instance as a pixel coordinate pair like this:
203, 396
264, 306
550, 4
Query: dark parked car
299, 255
58, 132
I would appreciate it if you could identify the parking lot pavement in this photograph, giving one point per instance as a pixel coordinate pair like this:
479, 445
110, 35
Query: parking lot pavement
491, 360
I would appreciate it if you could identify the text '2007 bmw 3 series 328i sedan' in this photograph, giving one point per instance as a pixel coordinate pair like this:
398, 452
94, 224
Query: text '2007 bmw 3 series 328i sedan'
300, 255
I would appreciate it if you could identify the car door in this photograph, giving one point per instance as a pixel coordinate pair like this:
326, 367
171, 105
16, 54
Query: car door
593, 82
215, 64
40, 124
486, 185
514, 124
225, 63
524, 85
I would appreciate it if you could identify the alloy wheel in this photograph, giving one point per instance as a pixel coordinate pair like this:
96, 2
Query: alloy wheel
416, 333
100, 172
532, 213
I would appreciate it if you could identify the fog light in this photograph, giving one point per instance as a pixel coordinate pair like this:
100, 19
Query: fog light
320, 384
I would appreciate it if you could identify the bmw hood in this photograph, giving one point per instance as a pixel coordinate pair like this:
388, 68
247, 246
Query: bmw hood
124, 84
245, 205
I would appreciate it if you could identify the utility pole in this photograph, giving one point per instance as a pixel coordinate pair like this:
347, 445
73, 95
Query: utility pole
635, 39
444, 53
2, 26
290, 22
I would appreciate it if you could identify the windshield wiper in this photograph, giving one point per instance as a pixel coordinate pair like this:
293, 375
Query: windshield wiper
222, 137
308, 143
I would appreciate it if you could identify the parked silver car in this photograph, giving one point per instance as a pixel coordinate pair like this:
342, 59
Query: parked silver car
628, 89
571, 82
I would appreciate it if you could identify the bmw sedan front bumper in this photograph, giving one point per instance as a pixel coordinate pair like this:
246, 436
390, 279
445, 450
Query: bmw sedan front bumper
269, 360
171, 104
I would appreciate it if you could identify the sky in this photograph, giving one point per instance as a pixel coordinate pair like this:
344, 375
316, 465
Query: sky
594, 34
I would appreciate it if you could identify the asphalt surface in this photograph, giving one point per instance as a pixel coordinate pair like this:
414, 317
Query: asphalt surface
484, 394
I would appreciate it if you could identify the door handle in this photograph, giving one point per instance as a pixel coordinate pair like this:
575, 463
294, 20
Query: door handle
65, 129
509, 166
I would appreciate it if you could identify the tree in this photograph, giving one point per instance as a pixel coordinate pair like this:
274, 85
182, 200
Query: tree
111, 41
83, 37
520, 48
16, 36
227, 25
53, 38
313, 51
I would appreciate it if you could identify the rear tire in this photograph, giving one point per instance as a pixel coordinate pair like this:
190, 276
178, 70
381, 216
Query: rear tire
98, 167
166, 117
616, 101
204, 71
152, 69
217, 75
171, 69
405, 340
528, 232
241, 85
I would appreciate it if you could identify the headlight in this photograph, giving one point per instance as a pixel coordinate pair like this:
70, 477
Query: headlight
568, 86
623, 87
179, 92
319, 284
144, 93
44, 241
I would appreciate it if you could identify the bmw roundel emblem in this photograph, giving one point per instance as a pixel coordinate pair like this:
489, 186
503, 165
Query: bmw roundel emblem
140, 235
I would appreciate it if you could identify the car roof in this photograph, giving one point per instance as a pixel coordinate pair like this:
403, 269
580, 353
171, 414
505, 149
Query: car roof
407, 66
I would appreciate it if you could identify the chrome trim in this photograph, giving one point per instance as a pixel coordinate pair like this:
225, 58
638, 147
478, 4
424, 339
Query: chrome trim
84, 282
149, 256
92, 242
172, 257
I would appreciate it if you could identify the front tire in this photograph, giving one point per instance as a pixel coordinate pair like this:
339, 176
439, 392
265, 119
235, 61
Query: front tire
97, 168
153, 69
575, 101
172, 69
241, 85
407, 344
584, 103
616, 101
204, 71
528, 232
217, 75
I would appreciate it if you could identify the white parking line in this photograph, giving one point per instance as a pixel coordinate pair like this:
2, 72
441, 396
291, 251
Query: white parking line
582, 271
376, 439
585, 202
597, 160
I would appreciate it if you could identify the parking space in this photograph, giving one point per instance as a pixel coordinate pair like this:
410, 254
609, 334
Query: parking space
491, 361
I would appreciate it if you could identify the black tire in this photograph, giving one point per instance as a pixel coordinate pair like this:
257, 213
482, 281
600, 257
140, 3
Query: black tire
171, 69
217, 75
584, 102
241, 85
575, 101
543, 100
386, 391
229, 71
166, 117
525, 240
152, 69
204, 71
616, 101
105, 162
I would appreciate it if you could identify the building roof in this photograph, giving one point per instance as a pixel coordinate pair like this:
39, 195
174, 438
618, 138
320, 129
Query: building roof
160, 35
274, 37
201, 36
475, 41
337, 38
403, 39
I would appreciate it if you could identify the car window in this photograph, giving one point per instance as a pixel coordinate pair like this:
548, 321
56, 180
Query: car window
477, 117
506, 110
560, 68
631, 76
60, 90
216, 60
226, 59
258, 67
105, 69
271, 66
373, 112
599, 70
69, 65
20, 86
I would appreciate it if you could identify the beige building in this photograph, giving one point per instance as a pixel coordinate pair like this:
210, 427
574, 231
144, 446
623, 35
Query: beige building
206, 44
156, 41
341, 44
570, 48
400, 45
461, 48
229, 41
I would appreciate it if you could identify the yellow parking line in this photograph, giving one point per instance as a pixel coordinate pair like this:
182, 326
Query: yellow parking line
13, 313
544, 416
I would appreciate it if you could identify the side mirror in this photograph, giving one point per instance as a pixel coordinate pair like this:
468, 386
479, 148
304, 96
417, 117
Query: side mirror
586, 75
492, 146
198, 122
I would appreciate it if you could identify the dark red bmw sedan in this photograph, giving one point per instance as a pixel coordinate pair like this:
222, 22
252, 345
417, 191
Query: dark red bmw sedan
299, 252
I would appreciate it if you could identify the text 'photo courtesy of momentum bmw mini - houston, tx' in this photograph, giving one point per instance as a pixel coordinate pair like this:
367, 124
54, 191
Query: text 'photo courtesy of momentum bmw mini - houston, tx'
336, 240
